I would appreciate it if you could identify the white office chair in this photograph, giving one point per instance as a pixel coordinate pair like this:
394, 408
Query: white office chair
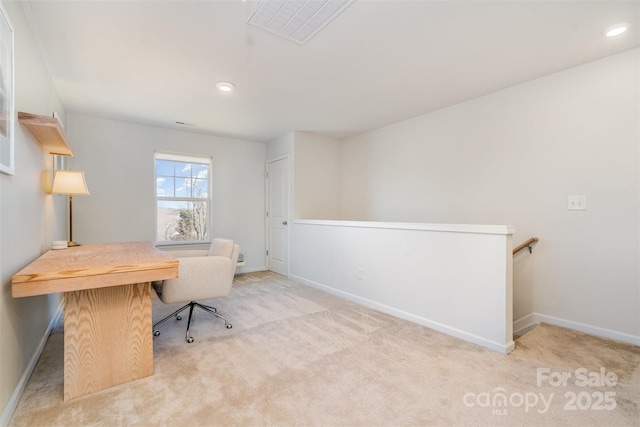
202, 275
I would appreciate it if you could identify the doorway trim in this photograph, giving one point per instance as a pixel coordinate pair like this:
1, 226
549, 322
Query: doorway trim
289, 194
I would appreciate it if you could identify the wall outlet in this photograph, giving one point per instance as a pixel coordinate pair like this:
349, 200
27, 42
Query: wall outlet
360, 274
577, 203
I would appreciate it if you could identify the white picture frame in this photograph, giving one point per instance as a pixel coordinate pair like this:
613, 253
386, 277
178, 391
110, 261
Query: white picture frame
7, 95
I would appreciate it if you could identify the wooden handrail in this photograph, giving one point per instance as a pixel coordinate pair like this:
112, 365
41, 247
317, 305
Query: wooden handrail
526, 244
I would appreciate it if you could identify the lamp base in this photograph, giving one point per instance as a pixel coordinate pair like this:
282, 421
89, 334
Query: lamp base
72, 244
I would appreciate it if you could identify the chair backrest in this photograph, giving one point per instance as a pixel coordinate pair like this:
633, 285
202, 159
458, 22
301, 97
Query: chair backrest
200, 277
226, 248
221, 247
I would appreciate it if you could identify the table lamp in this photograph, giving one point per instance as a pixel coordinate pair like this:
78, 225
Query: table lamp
71, 183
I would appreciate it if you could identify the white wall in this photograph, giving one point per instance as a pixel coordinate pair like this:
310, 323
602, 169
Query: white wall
315, 172
30, 219
454, 279
118, 161
513, 157
317, 177
441, 276
281, 147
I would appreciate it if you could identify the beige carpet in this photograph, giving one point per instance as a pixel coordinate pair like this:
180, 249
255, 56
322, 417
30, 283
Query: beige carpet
297, 356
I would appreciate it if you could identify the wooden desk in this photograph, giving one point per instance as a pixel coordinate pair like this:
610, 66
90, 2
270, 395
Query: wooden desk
107, 309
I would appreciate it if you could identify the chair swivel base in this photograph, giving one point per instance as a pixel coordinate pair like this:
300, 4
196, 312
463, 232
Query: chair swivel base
190, 306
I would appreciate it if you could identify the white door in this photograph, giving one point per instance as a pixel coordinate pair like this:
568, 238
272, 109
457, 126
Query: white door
278, 216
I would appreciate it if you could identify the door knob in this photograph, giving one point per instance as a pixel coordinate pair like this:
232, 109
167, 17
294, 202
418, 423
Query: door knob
284, 222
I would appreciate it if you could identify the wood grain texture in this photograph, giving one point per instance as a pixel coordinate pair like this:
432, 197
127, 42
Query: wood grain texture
94, 266
107, 338
107, 309
48, 132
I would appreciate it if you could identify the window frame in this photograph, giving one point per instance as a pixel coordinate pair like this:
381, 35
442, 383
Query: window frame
202, 159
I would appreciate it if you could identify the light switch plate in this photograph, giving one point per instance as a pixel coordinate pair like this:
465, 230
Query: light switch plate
577, 203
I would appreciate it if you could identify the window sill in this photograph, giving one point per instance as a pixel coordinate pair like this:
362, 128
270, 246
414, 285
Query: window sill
182, 245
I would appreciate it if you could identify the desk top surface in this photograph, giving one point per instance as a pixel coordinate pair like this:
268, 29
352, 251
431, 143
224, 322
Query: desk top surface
94, 266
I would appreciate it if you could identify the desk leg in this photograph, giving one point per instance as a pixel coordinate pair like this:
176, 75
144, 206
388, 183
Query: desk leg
107, 338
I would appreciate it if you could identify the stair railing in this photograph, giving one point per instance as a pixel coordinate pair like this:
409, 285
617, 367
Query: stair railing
528, 244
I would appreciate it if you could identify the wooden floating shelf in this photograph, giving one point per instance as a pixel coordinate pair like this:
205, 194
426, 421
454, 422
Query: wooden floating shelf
47, 131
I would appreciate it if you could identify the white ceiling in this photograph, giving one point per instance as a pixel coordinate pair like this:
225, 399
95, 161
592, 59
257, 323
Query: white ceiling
379, 62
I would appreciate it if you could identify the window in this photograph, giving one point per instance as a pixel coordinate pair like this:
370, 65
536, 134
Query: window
183, 201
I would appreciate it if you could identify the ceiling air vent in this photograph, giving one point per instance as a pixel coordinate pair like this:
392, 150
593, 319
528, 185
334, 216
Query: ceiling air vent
296, 20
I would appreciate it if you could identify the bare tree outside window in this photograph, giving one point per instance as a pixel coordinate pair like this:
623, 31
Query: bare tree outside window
182, 196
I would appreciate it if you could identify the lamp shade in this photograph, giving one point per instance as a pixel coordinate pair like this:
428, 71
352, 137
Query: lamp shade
69, 182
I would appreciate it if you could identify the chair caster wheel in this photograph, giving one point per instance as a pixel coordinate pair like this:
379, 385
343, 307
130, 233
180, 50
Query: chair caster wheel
229, 325
178, 317
156, 333
190, 340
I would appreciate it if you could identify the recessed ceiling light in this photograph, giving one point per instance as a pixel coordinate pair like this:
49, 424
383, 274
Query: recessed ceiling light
616, 30
225, 86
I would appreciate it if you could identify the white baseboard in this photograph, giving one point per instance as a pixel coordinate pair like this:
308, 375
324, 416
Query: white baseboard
525, 322
491, 345
251, 270
7, 414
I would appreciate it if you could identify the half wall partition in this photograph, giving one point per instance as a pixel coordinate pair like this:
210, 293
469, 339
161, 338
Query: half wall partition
456, 279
